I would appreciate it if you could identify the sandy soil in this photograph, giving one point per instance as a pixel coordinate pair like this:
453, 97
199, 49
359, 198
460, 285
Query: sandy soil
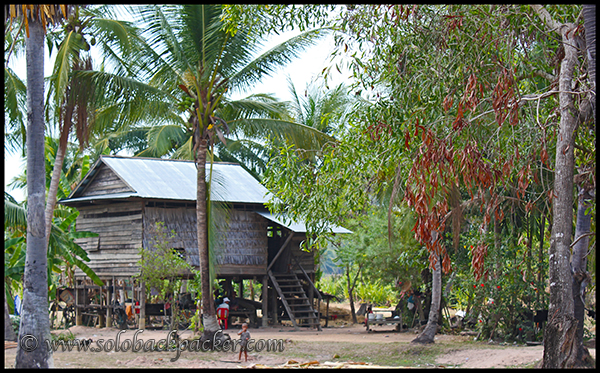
472, 356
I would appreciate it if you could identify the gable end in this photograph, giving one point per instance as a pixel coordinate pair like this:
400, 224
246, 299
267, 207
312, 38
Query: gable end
106, 181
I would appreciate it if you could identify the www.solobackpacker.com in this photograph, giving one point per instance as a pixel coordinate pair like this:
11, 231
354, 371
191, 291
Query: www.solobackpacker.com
171, 343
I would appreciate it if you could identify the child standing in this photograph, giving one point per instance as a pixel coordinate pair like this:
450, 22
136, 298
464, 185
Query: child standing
244, 338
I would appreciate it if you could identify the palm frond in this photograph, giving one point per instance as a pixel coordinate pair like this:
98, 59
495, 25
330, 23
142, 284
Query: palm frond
302, 136
296, 101
15, 215
185, 151
162, 139
276, 57
68, 53
255, 106
202, 33
163, 60
134, 140
251, 155
15, 105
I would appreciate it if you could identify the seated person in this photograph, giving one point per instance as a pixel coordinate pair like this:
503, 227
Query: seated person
225, 303
234, 304
223, 313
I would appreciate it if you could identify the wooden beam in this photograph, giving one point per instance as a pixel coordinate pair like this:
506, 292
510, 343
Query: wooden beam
142, 322
287, 241
78, 316
327, 313
265, 301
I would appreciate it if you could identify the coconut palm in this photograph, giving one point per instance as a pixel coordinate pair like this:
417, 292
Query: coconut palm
34, 320
193, 63
74, 101
321, 108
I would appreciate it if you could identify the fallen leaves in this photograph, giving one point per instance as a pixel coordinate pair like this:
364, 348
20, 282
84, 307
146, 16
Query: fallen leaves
315, 364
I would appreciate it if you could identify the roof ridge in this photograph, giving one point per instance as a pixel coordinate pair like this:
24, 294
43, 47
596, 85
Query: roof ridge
161, 159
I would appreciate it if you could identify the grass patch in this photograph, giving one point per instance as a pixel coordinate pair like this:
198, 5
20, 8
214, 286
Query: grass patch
399, 354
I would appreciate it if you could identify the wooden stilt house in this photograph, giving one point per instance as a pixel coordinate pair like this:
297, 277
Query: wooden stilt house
121, 199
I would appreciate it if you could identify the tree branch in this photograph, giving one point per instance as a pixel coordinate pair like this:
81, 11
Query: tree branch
582, 236
546, 17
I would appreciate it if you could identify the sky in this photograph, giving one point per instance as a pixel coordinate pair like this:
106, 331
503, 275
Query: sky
306, 68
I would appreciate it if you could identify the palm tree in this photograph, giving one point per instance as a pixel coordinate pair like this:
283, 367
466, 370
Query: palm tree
34, 320
317, 107
191, 59
320, 108
73, 98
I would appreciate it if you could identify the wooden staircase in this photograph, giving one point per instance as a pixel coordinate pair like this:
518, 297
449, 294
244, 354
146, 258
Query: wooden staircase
295, 301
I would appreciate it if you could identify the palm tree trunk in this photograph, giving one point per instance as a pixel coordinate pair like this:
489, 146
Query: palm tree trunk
209, 317
34, 318
56, 171
9, 332
428, 334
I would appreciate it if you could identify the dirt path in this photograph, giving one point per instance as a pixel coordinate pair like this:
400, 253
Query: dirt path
457, 351
324, 345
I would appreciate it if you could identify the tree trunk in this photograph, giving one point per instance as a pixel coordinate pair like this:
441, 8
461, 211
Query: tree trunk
541, 255
209, 318
34, 318
56, 171
589, 19
428, 334
559, 336
351, 295
9, 332
581, 277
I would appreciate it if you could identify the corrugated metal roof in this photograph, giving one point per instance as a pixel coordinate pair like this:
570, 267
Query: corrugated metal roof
175, 179
298, 227
168, 179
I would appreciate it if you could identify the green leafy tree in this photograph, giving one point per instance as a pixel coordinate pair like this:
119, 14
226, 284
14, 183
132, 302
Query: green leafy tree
441, 77
473, 77
161, 268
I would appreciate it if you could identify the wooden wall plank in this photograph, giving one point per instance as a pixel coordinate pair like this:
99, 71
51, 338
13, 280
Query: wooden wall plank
105, 182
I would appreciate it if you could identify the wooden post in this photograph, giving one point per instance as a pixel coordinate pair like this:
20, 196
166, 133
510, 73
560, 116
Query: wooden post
78, 315
122, 292
265, 301
327, 312
133, 297
311, 294
109, 295
274, 307
101, 316
142, 323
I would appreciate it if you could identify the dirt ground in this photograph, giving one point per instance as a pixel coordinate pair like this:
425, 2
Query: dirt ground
328, 349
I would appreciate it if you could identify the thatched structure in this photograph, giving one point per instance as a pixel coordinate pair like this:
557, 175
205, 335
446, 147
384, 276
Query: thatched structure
122, 198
